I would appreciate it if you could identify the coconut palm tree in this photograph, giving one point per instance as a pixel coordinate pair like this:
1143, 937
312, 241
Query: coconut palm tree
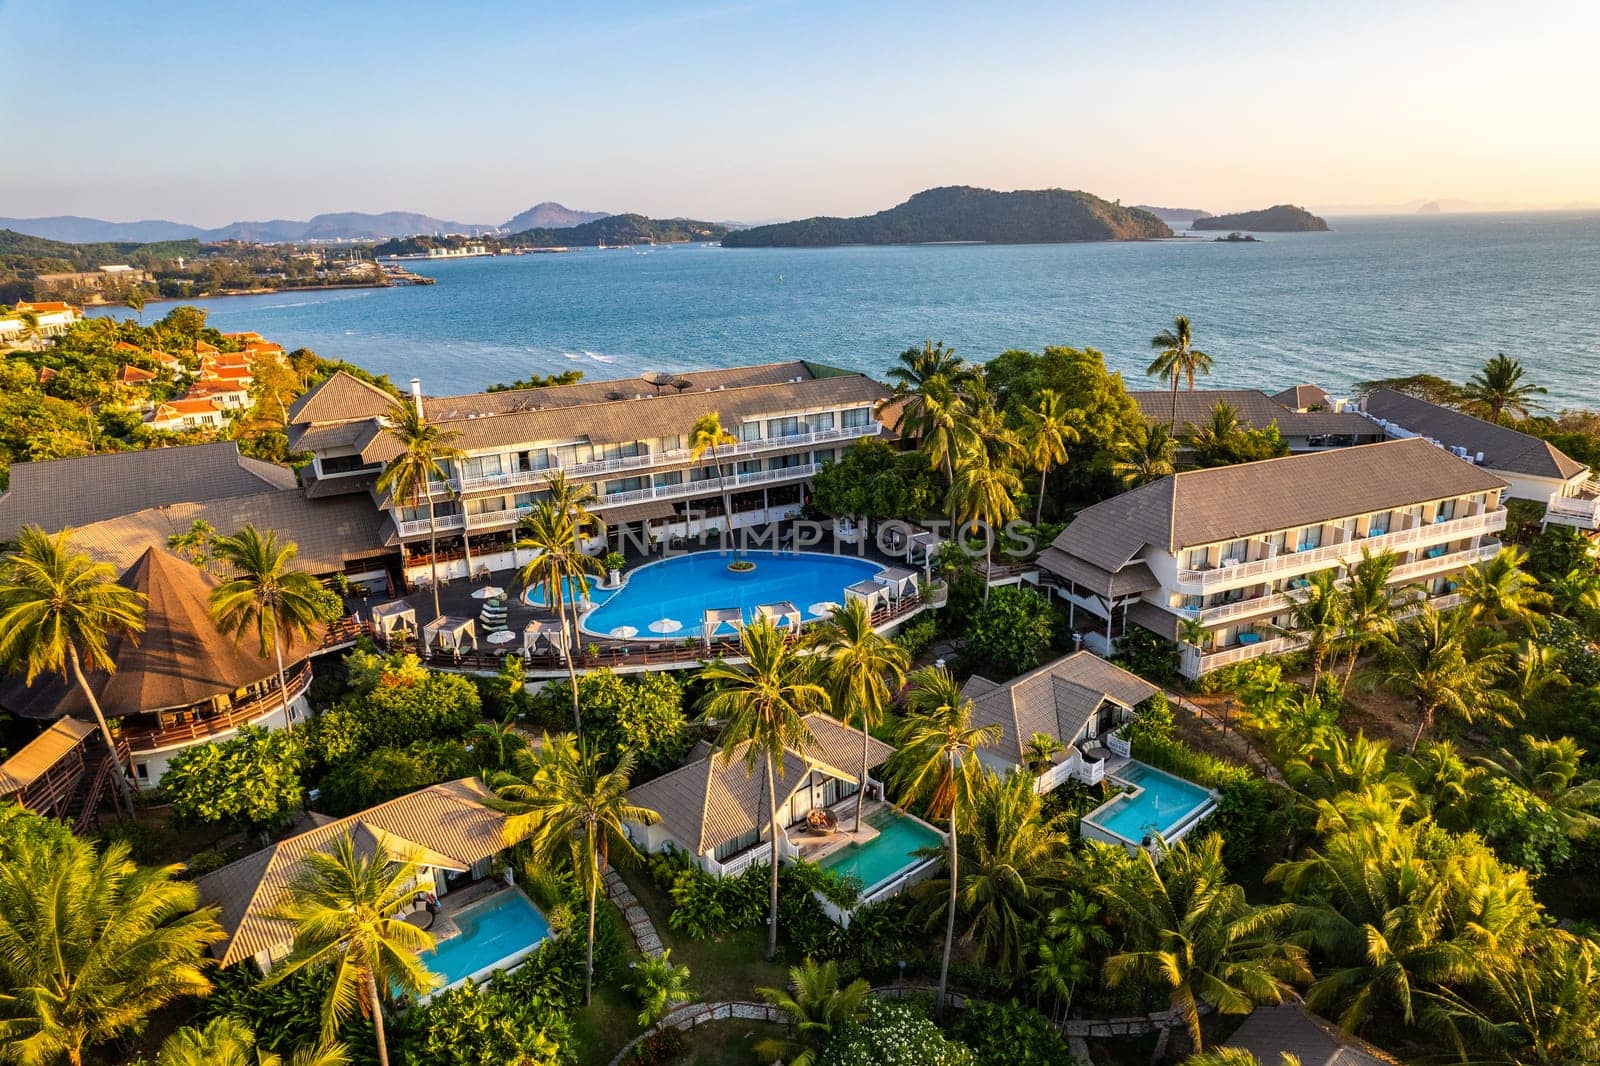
1317, 616
918, 366
862, 669
1072, 934
1499, 389
494, 743
761, 706
558, 565
135, 303
1369, 604
816, 1005
31, 330
91, 945
1177, 359
1216, 436
1428, 660
59, 612
578, 500
984, 491
1193, 933
345, 909
269, 597
938, 765
1147, 457
225, 1041
570, 809
1046, 432
1500, 593
1232, 1056
411, 474
705, 437
1549, 769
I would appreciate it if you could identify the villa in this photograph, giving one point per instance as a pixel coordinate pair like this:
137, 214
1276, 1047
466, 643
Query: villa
1313, 424
221, 393
1211, 559
178, 416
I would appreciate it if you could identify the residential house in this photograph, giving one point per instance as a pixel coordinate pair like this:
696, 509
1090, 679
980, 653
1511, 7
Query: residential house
224, 394
1279, 1029
1315, 427
54, 316
1212, 559
182, 415
133, 375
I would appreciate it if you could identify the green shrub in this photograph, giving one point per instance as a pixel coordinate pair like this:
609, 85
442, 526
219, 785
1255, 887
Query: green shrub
251, 780
1013, 1034
893, 1033
658, 1048
917, 635
1142, 652
1012, 632
284, 1016
390, 772
707, 907
395, 703
482, 1027
642, 713
204, 862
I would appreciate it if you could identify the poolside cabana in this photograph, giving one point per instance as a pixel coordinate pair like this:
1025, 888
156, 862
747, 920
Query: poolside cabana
869, 591
713, 620
899, 581
449, 633
551, 634
922, 549
396, 616
781, 613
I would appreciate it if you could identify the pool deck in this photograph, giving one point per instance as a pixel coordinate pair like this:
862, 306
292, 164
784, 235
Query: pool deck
1180, 829
814, 846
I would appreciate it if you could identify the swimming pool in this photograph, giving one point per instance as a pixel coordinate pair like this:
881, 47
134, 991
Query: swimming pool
495, 933
1160, 804
668, 599
885, 855
534, 597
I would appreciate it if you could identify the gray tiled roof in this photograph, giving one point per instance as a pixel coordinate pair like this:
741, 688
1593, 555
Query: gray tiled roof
1113, 584
57, 493
1057, 699
1288, 1028
1255, 409
341, 398
1502, 448
1299, 397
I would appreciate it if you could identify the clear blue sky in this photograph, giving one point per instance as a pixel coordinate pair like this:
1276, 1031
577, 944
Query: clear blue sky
209, 112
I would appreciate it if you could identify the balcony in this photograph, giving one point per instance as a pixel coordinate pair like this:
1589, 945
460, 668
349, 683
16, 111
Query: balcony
193, 725
1329, 555
1581, 511
708, 487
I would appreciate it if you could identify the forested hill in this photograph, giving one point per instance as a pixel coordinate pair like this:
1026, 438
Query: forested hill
1284, 218
18, 251
621, 229
963, 213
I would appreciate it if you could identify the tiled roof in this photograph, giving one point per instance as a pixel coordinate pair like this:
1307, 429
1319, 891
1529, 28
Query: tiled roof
445, 826
1289, 1029
1255, 410
1057, 699
1300, 397
341, 398
707, 802
1502, 448
74, 492
1114, 584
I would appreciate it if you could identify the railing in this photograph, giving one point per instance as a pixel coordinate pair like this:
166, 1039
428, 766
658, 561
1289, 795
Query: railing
1252, 605
147, 740
346, 630
109, 767
1241, 652
1449, 560
1346, 551
710, 486
1119, 744
1582, 510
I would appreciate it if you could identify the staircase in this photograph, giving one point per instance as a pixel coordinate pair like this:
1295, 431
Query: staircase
83, 810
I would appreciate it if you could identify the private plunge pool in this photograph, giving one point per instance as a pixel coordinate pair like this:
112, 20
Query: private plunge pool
892, 852
667, 600
492, 934
1158, 804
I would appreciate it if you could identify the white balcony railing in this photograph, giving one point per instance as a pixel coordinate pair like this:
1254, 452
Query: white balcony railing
708, 487
1582, 510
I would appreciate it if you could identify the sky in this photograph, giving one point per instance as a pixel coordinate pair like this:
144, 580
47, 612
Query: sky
208, 113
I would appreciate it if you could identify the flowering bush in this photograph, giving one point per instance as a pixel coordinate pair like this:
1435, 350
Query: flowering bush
894, 1033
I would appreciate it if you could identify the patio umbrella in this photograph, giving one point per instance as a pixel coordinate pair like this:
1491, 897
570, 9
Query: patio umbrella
625, 632
665, 625
488, 592
504, 636
822, 609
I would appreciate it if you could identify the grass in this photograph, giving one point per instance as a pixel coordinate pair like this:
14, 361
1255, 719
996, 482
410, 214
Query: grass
729, 1043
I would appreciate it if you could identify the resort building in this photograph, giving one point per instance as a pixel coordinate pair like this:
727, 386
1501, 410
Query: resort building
180, 683
53, 317
179, 416
1313, 424
222, 393
1077, 701
1212, 559
630, 440
445, 829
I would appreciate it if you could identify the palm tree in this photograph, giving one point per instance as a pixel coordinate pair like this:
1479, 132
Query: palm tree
1499, 389
1369, 604
1317, 616
135, 303
225, 1041
577, 499
570, 808
1548, 769
59, 612
938, 765
1428, 660
1576, 594
1073, 932
931, 384
30, 327
1215, 437
1145, 458
816, 1005
409, 476
1192, 932
1232, 1056
91, 945
918, 366
659, 985
494, 743
345, 909
558, 565
862, 669
269, 597
984, 491
1502, 594
1040, 752
1046, 432
705, 437
762, 707
1177, 359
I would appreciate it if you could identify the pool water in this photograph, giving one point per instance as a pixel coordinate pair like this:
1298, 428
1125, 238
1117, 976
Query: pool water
887, 854
493, 931
1165, 803
683, 588
534, 597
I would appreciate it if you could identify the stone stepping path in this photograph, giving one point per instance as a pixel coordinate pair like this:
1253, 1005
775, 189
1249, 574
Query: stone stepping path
638, 919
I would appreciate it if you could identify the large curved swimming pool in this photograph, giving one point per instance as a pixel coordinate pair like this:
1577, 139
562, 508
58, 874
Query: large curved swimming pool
667, 600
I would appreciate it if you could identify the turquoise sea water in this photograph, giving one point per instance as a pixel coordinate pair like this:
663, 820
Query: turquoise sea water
1375, 297
681, 589
884, 855
1165, 801
496, 929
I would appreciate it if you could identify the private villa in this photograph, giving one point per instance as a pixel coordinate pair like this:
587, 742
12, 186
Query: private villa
1304, 415
1211, 559
53, 317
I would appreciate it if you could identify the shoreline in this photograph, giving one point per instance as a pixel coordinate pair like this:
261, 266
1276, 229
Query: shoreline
241, 292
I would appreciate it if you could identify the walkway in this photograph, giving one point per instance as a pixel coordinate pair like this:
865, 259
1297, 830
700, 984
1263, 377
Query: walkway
638, 919
1236, 743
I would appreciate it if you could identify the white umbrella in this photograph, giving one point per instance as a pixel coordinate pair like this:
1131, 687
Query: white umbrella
504, 636
665, 625
488, 592
625, 632
823, 609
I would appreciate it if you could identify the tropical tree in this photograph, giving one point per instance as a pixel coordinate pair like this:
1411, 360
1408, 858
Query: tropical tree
135, 303
762, 706
1317, 615
862, 669
815, 1005
268, 597
194, 543
577, 500
931, 384
915, 367
569, 808
558, 565
1550, 770
345, 908
1073, 933
1191, 931
705, 437
1047, 429
1040, 752
1232, 1056
1428, 660
1177, 359
31, 331
659, 985
1341, 763
1500, 593
495, 743
1499, 389
938, 765
1217, 434
1369, 604
411, 474
59, 612
984, 491
225, 1041
1148, 456
91, 945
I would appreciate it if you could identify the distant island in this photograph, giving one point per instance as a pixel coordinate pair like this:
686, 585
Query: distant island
1429, 208
1284, 218
961, 213
1237, 238
551, 215
1174, 214
619, 229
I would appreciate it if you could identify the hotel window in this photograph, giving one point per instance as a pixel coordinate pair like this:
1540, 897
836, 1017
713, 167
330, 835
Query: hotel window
749, 466
855, 418
664, 480
1347, 529
343, 464
486, 505
1447, 510
824, 455
703, 473
747, 839
1308, 538
482, 466
1235, 551
1275, 543
783, 427
749, 431
624, 484
573, 454
1380, 523
784, 462
669, 444
526, 501
821, 421
1197, 559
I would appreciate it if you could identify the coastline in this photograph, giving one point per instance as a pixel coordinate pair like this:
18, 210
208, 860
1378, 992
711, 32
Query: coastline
243, 292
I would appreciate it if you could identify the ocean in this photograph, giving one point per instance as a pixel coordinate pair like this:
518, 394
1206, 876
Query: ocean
1376, 297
